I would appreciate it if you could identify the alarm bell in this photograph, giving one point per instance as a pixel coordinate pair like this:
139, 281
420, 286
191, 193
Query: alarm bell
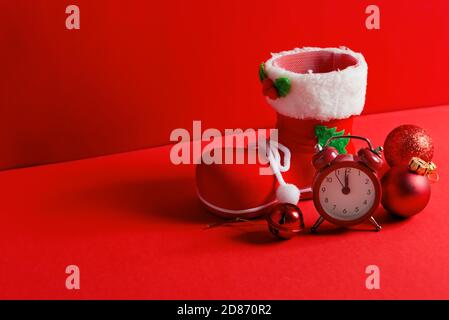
325, 155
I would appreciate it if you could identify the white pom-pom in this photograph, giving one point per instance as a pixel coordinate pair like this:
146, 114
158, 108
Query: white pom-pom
288, 193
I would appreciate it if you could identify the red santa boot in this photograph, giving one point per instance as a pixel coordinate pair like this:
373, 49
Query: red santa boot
315, 92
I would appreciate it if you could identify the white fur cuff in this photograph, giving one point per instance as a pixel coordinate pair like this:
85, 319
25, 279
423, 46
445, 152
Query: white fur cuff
324, 83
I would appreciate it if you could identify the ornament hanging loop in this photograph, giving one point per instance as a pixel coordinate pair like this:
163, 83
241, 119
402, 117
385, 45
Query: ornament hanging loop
433, 177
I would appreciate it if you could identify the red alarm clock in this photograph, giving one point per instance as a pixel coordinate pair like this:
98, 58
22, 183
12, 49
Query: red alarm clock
346, 188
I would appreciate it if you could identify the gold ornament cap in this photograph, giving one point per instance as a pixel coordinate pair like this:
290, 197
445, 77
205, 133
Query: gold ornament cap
423, 168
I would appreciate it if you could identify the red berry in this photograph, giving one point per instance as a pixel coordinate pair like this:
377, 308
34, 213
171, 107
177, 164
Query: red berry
267, 83
272, 93
268, 89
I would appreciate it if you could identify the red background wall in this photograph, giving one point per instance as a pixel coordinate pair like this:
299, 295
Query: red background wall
138, 69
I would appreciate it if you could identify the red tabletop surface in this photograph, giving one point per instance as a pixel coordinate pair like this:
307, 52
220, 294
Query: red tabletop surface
133, 225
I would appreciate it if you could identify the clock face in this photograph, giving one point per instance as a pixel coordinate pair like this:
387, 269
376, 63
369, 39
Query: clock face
347, 193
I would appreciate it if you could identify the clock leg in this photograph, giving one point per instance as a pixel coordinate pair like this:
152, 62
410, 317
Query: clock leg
375, 224
317, 224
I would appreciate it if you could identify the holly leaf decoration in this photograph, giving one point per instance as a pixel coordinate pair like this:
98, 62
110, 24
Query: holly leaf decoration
323, 133
283, 86
262, 74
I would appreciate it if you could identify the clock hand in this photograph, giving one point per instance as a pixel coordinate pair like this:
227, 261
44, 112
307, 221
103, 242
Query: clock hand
346, 180
346, 189
335, 172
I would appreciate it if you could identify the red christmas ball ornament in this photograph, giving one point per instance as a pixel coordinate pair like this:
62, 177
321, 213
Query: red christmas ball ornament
404, 193
405, 142
285, 220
